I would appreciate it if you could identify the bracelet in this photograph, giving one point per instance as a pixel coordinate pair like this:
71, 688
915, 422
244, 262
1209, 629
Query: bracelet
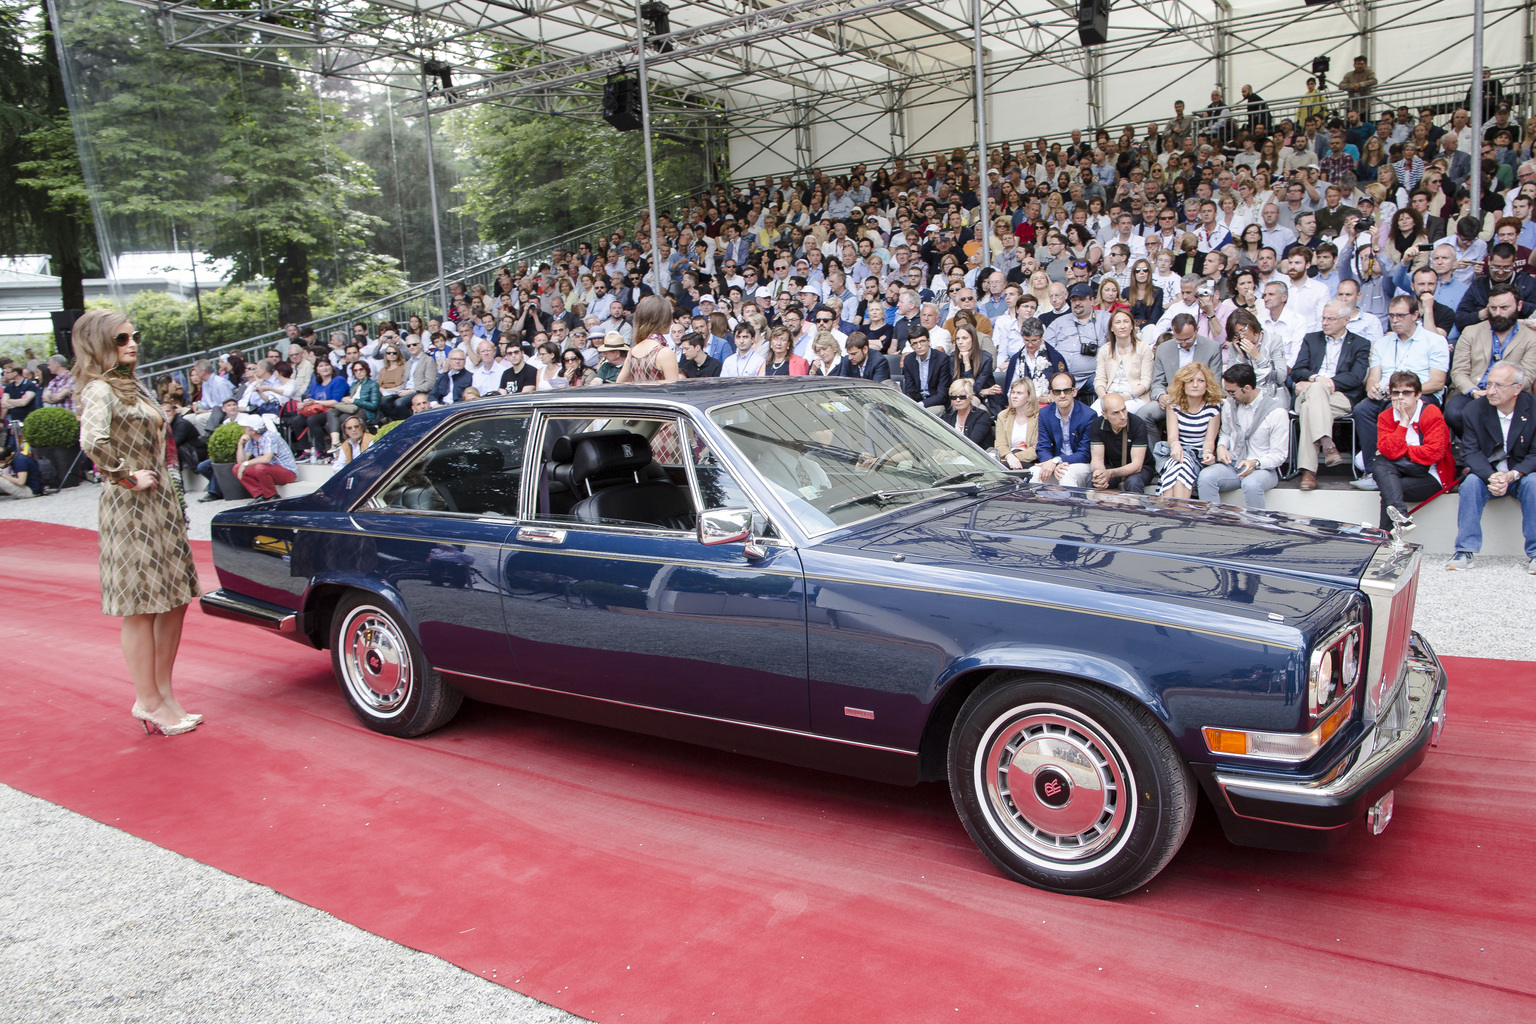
127, 482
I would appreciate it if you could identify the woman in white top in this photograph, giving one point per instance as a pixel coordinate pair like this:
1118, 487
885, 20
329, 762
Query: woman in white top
1248, 342
1227, 215
1124, 365
826, 359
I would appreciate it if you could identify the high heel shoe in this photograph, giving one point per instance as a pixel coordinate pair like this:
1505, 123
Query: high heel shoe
151, 726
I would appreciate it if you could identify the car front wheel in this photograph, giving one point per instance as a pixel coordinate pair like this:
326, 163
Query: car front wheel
383, 674
1067, 787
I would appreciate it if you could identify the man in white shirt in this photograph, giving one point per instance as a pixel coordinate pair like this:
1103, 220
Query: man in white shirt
747, 360
1283, 322
1210, 235
1307, 295
487, 369
938, 337
1254, 443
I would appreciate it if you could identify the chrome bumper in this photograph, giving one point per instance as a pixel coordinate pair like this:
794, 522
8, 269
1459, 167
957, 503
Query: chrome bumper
1265, 811
223, 604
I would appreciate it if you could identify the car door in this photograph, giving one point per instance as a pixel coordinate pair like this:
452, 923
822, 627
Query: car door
436, 529
642, 612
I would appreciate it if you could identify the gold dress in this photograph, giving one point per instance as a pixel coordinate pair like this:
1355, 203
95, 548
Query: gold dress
146, 562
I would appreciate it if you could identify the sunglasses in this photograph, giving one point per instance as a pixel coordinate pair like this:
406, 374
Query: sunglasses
1402, 392
123, 339
1063, 391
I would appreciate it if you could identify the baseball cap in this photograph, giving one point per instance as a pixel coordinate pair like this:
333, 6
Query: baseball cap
1080, 291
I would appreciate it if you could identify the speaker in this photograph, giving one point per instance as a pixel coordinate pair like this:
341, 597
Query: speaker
63, 331
1092, 22
621, 103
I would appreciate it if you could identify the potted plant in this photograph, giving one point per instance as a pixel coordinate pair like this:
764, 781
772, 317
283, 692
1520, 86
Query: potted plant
53, 435
222, 445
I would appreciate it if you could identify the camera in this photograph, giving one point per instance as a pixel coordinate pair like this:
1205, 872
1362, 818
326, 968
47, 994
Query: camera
1205, 291
1088, 348
1365, 223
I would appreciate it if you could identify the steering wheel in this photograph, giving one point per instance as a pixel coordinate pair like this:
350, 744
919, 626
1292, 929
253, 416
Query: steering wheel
888, 455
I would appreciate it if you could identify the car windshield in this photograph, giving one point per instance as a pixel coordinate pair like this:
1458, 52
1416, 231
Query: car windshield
837, 456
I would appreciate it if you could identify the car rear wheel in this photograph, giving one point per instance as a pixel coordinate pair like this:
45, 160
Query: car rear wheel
1068, 787
383, 674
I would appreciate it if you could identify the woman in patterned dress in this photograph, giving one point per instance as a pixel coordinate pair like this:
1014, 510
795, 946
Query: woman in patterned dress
1194, 421
147, 574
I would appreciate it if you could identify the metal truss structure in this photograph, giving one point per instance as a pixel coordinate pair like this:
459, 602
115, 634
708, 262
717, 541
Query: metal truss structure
785, 70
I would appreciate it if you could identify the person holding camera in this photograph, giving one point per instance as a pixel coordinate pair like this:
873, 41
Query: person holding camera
1077, 337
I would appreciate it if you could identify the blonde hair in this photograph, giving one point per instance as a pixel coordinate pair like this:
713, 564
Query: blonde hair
1007, 418
824, 341
95, 338
1176, 388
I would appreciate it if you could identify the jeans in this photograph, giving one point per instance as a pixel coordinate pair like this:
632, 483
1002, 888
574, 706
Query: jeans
1469, 516
206, 469
1219, 477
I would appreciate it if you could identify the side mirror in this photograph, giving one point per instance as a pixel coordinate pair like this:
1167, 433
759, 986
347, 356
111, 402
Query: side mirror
725, 525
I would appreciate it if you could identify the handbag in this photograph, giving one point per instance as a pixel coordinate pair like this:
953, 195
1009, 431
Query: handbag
312, 409
1162, 454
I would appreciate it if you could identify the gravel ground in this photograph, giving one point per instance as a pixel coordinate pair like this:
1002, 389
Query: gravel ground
79, 942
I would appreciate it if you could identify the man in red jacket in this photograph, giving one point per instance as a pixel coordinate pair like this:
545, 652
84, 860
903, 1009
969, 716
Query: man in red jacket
1413, 448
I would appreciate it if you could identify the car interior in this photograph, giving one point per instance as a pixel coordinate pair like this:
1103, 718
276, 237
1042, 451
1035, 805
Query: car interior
611, 476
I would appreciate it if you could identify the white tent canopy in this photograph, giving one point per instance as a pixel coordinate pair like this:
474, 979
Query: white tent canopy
834, 82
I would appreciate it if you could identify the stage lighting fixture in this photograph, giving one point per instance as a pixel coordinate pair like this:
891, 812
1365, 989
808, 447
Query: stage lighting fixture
440, 71
654, 14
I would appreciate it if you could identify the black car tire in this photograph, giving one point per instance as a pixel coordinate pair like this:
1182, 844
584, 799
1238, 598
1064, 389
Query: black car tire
371, 650
1106, 798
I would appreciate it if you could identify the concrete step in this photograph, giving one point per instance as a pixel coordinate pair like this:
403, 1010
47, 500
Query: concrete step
308, 479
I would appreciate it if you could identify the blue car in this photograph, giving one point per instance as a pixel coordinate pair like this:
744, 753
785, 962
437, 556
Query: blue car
820, 572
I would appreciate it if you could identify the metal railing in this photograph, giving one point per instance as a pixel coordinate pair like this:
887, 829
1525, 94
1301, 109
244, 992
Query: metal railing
421, 298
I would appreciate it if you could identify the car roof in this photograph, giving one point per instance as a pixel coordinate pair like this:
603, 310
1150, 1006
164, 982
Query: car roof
701, 393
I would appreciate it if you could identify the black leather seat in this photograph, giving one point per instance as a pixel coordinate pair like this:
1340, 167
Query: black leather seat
615, 468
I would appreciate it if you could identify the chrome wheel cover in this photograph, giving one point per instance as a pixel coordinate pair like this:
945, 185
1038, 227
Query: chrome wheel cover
1055, 787
376, 664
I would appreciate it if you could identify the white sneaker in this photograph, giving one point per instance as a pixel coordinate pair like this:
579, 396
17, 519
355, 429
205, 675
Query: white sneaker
1462, 561
1532, 567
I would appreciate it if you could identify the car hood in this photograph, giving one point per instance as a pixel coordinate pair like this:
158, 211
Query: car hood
1134, 545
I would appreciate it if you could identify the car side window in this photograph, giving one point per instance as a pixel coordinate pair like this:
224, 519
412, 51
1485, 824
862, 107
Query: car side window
615, 471
475, 468
717, 487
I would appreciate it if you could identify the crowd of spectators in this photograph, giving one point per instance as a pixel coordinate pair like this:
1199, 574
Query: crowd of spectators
1299, 263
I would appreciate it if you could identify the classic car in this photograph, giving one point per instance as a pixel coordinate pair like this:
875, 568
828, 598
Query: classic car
819, 571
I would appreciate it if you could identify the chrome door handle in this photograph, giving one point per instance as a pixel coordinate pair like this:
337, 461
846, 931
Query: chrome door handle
540, 535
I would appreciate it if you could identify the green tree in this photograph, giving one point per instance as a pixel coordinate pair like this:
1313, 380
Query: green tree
533, 176
43, 202
286, 191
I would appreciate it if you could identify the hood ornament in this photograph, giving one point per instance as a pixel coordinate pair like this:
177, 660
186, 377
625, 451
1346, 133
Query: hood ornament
1402, 522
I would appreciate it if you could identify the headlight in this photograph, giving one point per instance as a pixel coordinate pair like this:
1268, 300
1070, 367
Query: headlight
1333, 669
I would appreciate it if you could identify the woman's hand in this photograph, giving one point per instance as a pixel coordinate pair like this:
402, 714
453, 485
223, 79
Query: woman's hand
1206, 459
1013, 461
144, 479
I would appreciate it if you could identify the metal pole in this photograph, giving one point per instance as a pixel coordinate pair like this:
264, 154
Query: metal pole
650, 167
981, 139
437, 231
1477, 111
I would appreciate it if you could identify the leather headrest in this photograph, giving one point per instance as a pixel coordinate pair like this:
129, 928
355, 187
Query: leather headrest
608, 454
562, 450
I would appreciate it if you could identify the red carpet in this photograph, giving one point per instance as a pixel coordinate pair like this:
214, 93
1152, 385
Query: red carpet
625, 878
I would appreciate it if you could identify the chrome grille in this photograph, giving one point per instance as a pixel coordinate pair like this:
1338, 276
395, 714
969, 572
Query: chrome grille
1392, 583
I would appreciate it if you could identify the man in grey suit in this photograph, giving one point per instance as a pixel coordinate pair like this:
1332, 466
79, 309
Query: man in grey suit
420, 379
1188, 346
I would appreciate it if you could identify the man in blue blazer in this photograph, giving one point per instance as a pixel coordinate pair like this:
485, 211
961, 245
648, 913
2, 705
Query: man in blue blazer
1328, 379
1498, 441
1064, 451
926, 373
861, 362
